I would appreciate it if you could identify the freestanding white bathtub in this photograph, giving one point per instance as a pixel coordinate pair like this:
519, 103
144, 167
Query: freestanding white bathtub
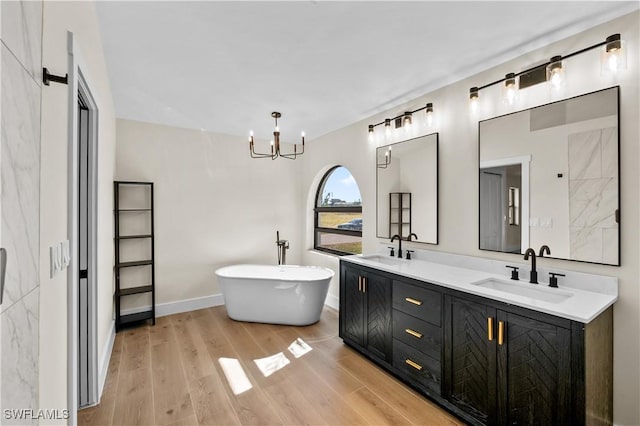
282, 294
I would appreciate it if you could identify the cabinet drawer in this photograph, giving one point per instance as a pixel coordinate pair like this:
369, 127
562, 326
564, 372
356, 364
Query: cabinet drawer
417, 366
418, 302
421, 335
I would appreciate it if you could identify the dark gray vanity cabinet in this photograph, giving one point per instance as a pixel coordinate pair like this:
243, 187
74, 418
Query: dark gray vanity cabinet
488, 362
417, 335
365, 310
503, 367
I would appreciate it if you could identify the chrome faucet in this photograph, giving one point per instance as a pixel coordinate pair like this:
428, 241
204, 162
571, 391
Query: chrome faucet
533, 276
399, 244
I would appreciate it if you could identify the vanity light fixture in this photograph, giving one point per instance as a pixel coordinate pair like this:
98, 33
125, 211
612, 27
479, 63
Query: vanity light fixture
387, 159
403, 120
613, 58
275, 144
407, 120
614, 55
555, 72
473, 98
370, 132
429, 114
510, 88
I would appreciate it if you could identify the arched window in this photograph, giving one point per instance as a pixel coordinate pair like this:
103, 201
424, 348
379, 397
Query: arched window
338, 213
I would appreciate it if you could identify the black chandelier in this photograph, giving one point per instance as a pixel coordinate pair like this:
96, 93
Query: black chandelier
275, 144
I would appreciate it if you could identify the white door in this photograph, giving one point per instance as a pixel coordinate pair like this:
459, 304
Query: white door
491, 215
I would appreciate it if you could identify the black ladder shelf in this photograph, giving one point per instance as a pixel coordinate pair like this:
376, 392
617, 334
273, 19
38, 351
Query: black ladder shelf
142, 193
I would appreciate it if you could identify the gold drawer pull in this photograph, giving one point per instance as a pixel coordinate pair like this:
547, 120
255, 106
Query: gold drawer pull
490, 328
414, 301
500, 332
413, 364
359, 283
413, 333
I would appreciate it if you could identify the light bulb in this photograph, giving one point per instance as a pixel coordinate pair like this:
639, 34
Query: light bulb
429, 114
510, 89
614, 55
302, 134
555, 73
474, 96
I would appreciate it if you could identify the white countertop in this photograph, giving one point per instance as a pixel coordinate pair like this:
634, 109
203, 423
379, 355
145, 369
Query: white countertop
582, 305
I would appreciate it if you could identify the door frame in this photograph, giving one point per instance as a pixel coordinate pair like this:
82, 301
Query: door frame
524, 161
79, 81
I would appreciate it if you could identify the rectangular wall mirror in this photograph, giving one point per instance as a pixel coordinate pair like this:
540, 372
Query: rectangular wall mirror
407, 189
549, 175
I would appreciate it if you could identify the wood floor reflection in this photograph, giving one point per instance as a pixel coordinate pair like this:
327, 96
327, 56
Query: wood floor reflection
168, 374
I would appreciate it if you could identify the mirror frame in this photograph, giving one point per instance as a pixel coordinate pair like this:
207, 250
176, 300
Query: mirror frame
617, 87
437, 141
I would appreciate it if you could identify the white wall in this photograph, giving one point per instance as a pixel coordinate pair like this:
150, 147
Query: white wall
458, 217
214, 205
80, 18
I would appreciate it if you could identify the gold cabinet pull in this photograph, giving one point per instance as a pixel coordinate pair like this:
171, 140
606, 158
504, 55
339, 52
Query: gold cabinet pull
414, 301
364, 284
413, 364
413, 333
500, 332
359, 283
490, 328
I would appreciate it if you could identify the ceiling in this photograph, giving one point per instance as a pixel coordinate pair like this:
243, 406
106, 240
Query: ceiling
225, 66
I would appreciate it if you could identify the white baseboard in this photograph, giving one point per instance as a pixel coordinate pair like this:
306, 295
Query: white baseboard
332, 301
187, 305
103, 367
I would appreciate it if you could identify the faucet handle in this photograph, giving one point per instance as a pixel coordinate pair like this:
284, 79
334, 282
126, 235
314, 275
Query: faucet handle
408, 257
514, 272
392, 253
553, 279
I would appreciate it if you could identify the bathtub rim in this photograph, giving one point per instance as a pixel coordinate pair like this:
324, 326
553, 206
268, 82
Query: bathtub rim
280, 278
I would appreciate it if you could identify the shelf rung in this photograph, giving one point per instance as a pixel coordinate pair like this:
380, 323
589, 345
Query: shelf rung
135, 290
131, 318
136, 263
129, 237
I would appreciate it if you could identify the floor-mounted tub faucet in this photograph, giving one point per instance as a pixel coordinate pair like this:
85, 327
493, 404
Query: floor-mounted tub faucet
533, 276
283, 245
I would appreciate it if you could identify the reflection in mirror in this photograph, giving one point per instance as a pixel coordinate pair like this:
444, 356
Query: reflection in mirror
549, 175
407, 189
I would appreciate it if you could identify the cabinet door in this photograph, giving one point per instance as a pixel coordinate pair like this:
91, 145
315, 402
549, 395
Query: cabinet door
352, 306
470, 358
534, 371
378, 315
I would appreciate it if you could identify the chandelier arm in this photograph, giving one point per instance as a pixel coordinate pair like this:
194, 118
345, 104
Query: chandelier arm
255, 154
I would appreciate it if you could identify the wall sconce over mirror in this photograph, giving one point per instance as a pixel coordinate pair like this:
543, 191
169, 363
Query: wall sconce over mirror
407, 189
549, 175
612, 60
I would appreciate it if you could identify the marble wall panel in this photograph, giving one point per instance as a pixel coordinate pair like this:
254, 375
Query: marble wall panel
20, 334
22, 33
20, 178
585, 155
610, 152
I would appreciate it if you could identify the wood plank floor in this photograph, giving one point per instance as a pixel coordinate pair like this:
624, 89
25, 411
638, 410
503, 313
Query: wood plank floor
168, 374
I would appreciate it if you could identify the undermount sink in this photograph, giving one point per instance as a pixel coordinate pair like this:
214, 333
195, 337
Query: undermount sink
386, 260
534, 291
